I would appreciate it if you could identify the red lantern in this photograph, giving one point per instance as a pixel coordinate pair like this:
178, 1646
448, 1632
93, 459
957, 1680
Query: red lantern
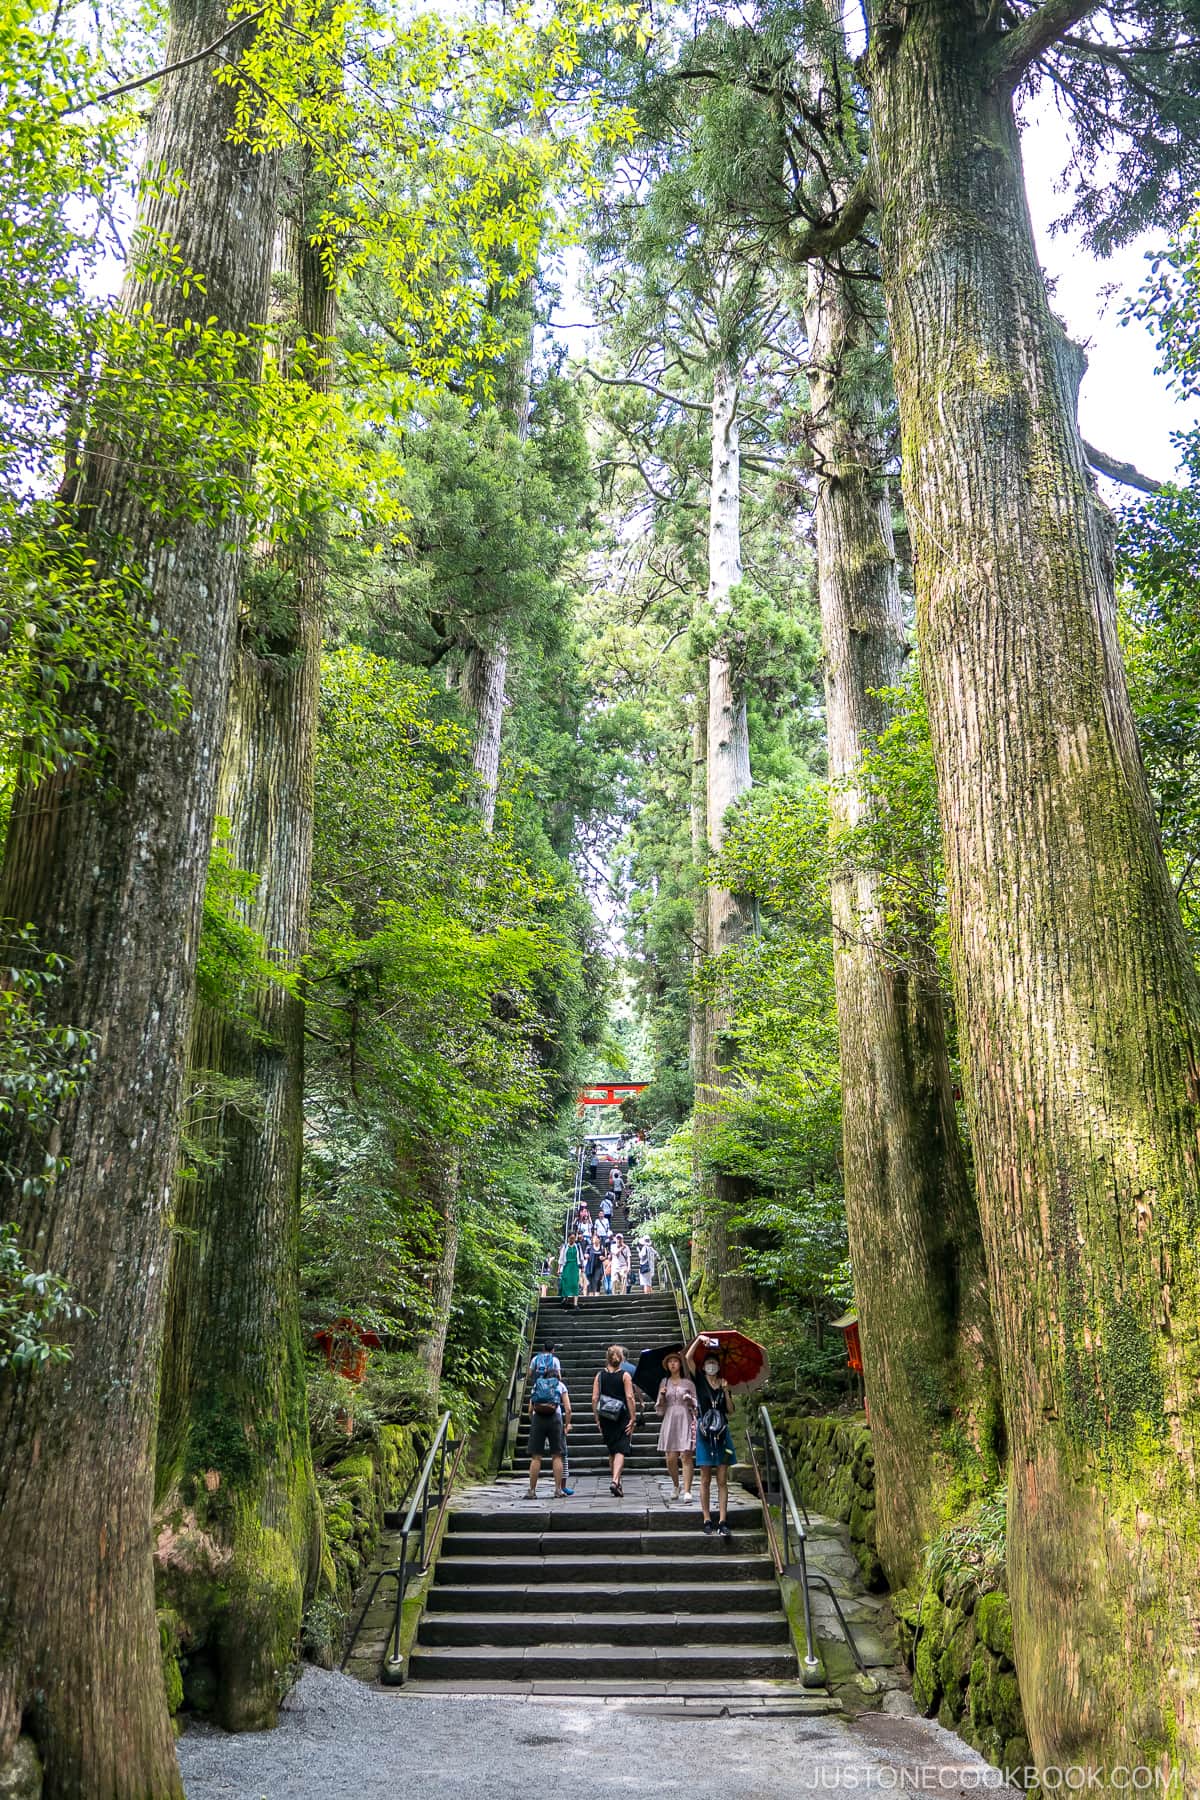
346, 1346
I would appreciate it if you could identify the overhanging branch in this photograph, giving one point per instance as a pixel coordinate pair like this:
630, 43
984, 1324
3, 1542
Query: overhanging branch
185, 62
1126, 473
1021, 46
632, 381
835, 233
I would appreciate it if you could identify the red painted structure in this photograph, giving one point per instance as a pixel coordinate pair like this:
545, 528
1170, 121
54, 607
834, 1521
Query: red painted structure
609, 1093
346, 1346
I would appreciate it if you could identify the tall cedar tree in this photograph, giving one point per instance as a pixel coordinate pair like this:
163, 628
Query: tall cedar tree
1078, 1000
239, 1525
915, 1242
115, 860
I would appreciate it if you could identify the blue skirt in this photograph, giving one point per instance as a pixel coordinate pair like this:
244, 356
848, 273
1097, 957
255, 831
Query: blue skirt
711, 1459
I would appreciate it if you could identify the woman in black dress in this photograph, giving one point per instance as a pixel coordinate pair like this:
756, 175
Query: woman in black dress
615, 1411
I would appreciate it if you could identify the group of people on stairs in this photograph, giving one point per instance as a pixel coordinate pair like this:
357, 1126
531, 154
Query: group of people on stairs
603, 1265
692, 1402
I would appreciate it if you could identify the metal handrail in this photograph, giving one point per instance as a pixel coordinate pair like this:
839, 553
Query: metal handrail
573, 1206
812, 1672
512, 1405
403, 1570
693, 1328
795, 1521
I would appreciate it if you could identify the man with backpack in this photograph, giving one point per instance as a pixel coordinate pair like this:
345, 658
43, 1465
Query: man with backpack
549, 1420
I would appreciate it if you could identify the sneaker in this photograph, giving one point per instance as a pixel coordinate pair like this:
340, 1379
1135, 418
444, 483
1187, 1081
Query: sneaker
723, 1528
687, 1498
563, 1493
708, 1528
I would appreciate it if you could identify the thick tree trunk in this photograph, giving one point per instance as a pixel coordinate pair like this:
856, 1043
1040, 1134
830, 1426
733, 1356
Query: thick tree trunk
915, 1241
485, 694
110, 871
699, 1266
439, 1187
1078, 998
727, 778
485, 671
240, 1523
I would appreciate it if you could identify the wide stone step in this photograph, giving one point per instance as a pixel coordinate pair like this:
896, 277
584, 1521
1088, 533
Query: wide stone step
723, 1662
582, 1542
552, 1626
631, 1571
609, 1516
546, 1597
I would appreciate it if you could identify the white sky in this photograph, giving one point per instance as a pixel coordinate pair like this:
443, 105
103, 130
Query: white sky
1124, 406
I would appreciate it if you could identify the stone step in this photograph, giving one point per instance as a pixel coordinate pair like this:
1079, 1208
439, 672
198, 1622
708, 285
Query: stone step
660, 1629
632, 1571
582, 1543
608, 1515
573, 1662
546, 1597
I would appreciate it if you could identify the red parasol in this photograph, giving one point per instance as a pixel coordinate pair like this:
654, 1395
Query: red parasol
743, 1362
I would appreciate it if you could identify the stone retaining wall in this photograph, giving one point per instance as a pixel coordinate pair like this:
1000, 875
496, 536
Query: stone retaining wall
832, 1468
958, 1644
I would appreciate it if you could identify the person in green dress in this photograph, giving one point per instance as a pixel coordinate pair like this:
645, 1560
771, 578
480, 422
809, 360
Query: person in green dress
568, 1271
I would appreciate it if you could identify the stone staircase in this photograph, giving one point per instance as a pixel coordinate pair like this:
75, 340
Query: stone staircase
581, 1339
596, 1595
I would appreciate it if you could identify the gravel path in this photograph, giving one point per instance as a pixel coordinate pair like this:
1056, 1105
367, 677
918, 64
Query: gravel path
340, 1740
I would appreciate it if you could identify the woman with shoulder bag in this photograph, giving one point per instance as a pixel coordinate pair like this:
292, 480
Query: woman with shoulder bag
615, 1411
714, 1439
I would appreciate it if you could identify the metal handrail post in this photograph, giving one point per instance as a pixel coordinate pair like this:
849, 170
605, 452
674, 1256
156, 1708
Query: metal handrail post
791, 1514
687, 1299
784, 1483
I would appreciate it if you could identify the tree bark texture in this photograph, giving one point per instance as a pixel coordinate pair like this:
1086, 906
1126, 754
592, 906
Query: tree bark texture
915, 1242
110, 872
699, 1267
727, 778
1077, 995
485, 671
240, 1522
441, 1178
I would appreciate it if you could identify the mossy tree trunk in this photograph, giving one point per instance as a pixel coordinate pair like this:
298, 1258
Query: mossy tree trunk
1077, 994
109, 868
728, 916
699, 1267
240, 1523
915, 1242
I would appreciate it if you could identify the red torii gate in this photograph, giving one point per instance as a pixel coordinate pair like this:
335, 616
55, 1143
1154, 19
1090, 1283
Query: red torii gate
609, 1093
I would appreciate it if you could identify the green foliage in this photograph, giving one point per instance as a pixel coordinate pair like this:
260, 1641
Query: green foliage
32, 1303
233, 962
42, 1066
973, 1547
1158, 549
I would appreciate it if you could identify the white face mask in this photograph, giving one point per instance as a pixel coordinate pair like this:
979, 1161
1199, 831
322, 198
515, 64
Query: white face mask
712, 1367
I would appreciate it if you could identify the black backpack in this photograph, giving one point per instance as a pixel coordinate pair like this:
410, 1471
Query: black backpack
711, 1427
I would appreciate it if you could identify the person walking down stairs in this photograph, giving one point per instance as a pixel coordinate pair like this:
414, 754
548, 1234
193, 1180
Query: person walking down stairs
570, 1270
614, 1409
604, 1593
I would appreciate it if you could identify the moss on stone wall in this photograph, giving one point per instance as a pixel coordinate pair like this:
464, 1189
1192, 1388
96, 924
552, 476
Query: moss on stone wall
958, 1644
832, 1468
957, 1641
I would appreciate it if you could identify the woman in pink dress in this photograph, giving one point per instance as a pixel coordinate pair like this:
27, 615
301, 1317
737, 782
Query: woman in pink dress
676, 1407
